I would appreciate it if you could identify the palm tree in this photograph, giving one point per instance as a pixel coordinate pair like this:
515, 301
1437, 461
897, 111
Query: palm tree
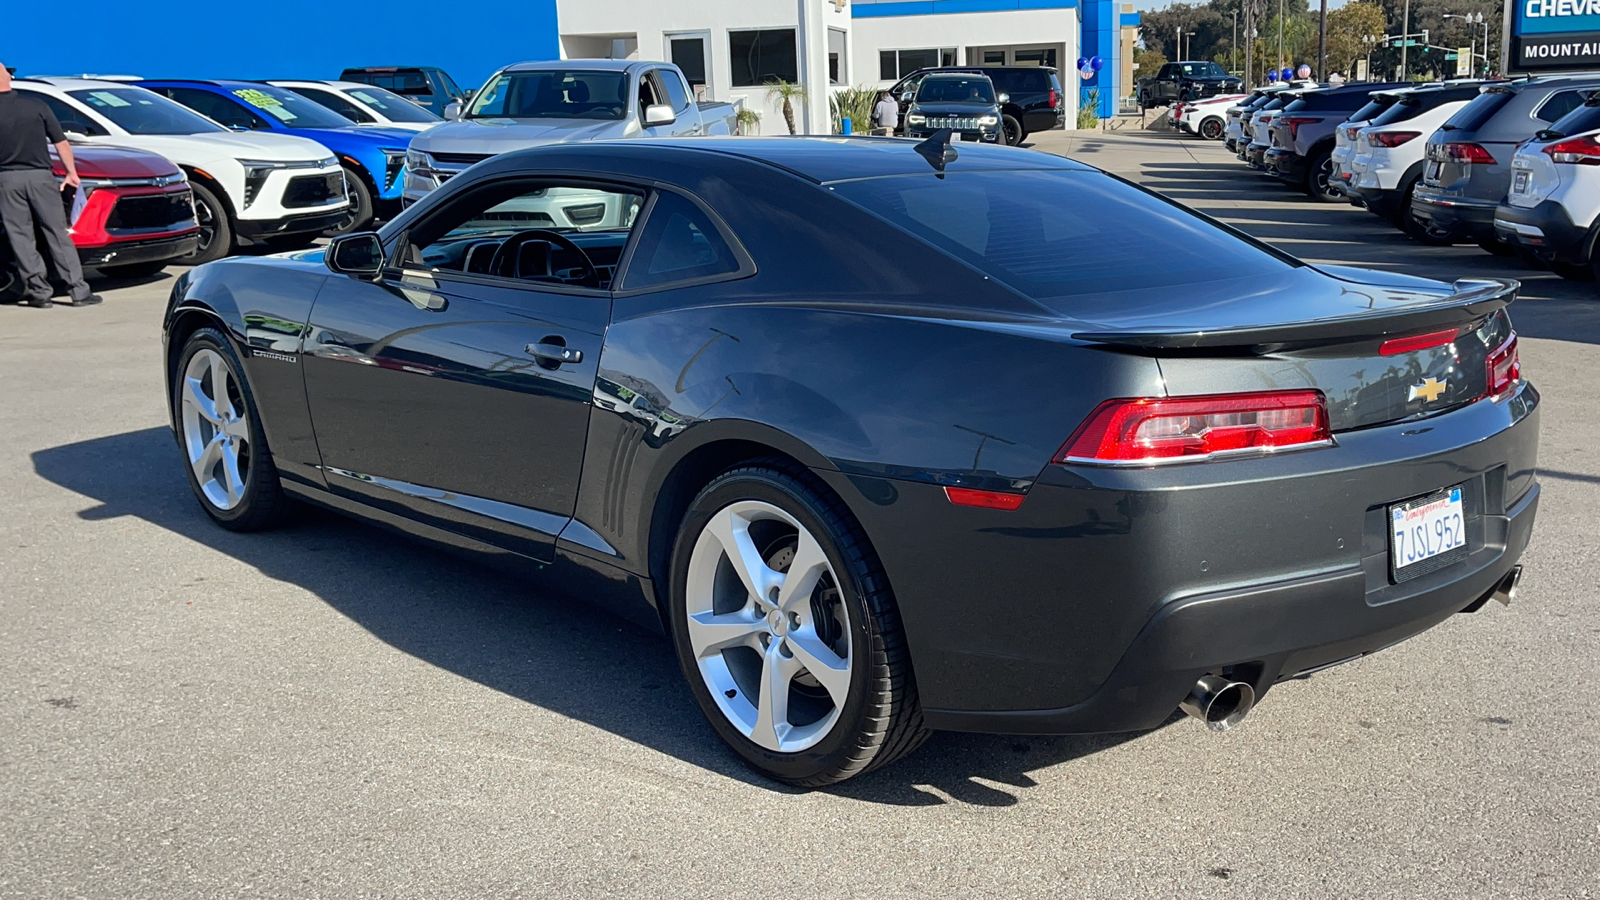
787, 91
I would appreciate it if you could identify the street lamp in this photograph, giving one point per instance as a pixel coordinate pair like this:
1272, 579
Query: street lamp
1475, 18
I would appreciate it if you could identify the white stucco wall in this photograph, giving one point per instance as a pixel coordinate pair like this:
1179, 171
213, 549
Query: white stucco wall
641, 27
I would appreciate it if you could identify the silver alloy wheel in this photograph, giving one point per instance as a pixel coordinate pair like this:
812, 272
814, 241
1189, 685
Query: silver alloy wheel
206, 218
768, 628
216, 434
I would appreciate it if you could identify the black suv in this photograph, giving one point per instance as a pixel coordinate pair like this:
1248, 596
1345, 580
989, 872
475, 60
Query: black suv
1186, 81
1035, 103
430, 87
963, 102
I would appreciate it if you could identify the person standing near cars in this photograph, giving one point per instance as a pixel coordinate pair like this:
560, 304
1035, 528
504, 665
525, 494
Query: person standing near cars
30, 198
887, 112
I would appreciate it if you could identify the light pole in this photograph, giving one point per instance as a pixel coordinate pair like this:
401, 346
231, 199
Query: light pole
1233, 48
1178, 50
1280, 32
1369, 40
1473, 19
1405, 29
1322, 43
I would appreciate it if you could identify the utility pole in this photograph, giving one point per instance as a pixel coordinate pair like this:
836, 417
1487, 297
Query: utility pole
1322, 44
1405, 41
1280, 32
1233, 48
1178, 50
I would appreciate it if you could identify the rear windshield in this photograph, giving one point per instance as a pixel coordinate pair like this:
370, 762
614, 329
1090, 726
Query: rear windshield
1477, 114
558, 94
394, 107
1318, 102
1406, 108
1053, 234
1584, 118
945, 89
1372, 109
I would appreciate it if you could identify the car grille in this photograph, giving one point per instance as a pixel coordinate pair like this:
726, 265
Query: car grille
459, 159
959, 123
313, 190
151, 212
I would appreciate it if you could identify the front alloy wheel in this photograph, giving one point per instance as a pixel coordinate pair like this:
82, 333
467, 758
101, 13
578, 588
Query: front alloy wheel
786, 630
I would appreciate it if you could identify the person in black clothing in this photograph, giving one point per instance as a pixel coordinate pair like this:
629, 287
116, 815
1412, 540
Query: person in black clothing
30, 198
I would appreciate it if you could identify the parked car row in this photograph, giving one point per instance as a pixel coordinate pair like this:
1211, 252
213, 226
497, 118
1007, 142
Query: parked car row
1508, 165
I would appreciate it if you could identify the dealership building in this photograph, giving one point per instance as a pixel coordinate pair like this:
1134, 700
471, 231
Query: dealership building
731, 48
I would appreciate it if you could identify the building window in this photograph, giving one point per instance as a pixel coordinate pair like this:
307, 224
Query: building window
896, 64
838, 69
762, 57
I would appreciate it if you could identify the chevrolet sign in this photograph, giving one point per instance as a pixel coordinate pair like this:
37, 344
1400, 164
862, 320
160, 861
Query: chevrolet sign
1553, 35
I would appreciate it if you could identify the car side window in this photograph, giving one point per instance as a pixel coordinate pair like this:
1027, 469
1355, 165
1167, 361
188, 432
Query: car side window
338, 103
647, 93
1558, 105
677, 95
217, 108
678, 244
71, 118
526, 230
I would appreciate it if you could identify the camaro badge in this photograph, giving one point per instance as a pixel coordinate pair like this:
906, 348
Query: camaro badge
1428, 391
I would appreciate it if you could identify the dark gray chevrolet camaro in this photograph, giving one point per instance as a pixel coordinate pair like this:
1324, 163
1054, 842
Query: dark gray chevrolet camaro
885, 441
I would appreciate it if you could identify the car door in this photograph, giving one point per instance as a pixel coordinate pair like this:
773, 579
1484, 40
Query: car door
682, 103
456, 390
652, 91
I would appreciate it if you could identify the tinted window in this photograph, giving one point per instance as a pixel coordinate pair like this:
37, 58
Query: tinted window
677, 96
556, 94
70, 118
1559, 104
1203, 70
139, 111
336, 102
1371, 110
449, 84
678, 243
1406, 108
1056, 234
1584, 118
762, 57
1477, 113
216, 106
945, 89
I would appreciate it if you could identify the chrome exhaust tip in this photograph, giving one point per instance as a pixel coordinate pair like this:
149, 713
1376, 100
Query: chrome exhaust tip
1218, 702
1506, 590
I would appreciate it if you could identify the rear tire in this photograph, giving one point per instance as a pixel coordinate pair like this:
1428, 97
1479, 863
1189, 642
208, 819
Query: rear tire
216, 229
1211, 128
750, 660
1319, 175
1420, 231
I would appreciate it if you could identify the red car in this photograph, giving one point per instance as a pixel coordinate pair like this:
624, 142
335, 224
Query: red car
138, 214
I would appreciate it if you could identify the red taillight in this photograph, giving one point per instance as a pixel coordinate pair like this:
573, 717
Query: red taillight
1390, 138
1055, 99
1397, 346
1264, 119
1350, 133
1195, 428
1294, 123
1505, 368
1582, 151
1468, 153
983, 499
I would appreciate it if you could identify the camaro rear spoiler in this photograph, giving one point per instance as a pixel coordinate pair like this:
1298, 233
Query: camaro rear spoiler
1471, 301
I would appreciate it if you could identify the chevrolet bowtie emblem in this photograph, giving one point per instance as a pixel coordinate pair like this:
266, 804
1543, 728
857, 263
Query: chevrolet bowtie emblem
1428, 391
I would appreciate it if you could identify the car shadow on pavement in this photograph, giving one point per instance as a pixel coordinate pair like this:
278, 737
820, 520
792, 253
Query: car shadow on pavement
488, 627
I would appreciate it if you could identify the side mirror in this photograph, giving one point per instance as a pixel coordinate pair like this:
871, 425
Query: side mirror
1005, 97
452, 111
659, 115
358, 255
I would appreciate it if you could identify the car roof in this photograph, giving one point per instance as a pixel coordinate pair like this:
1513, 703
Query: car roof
1551, 81
948, 74
379, 69
838, 158
593, 65
72, 84
202, 82
327, 83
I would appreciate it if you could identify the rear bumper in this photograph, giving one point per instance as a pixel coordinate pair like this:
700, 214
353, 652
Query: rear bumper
1376, 200
1286, 164
1468, 217
1255, 156
1097, 605
123, 253
1545, 229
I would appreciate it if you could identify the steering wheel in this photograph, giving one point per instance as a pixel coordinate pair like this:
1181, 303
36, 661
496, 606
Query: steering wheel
511, 247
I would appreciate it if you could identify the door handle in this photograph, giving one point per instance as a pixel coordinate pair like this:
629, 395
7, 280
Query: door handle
549, 351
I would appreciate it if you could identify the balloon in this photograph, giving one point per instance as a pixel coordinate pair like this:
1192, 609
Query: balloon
1083, 61
1287, 74
1304, 71
1086, 72
1096, 62
1272, 75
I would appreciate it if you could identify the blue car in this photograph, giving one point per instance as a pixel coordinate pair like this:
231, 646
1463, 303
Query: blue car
373, 157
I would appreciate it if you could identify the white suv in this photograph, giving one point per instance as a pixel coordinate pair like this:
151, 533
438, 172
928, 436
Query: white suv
268, 188
1553, 207
364, 104
1344, 139
1391, 152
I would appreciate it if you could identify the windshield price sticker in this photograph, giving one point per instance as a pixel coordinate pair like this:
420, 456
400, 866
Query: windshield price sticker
266, 103
107, 98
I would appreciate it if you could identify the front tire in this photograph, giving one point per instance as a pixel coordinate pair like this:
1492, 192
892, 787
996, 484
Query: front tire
360, 213
225, 450
786, 629
216, 231
1013, 130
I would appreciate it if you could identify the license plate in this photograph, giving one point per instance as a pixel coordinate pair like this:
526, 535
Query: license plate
1519, 181
1427, 534
1431, 173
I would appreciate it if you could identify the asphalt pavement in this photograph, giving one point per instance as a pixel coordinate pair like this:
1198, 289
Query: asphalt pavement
331, 711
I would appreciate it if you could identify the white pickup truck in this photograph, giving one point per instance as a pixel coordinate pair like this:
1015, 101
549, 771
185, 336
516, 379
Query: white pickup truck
535, 103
